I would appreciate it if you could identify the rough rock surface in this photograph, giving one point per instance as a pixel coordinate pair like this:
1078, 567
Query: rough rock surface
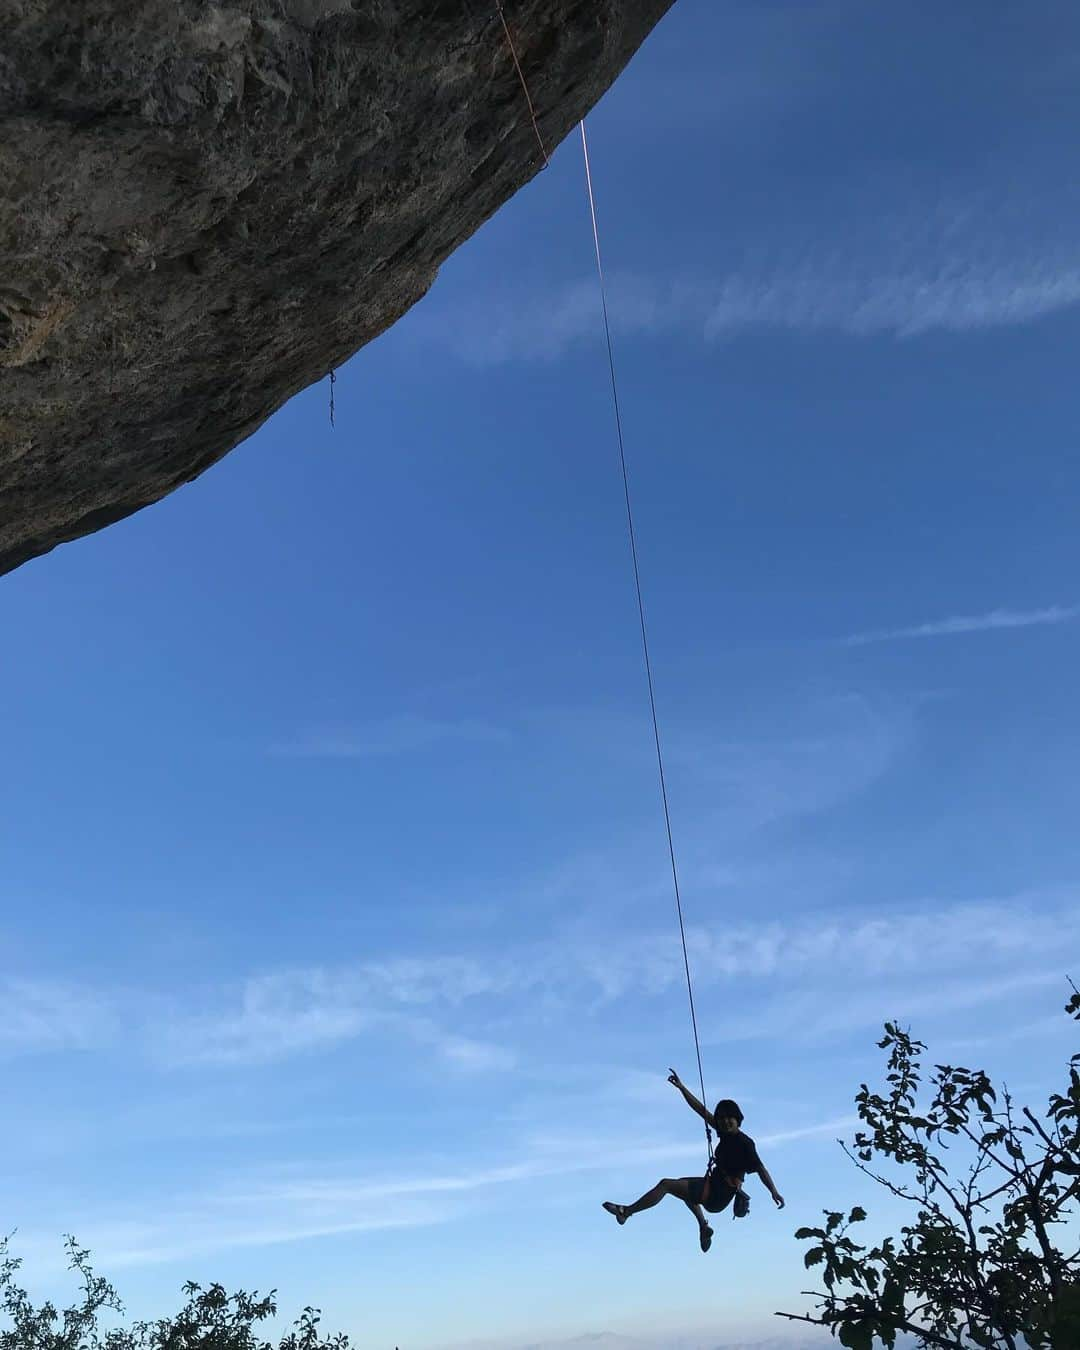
204, 207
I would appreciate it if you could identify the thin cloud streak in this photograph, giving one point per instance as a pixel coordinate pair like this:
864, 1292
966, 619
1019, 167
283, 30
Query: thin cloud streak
996, 619
808, 1016
294, 1012
858, 299
894, 264
434, 1001
430, 1001
257, 1214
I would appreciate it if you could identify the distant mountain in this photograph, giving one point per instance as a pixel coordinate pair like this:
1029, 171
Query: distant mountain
609, 1340
802, 1338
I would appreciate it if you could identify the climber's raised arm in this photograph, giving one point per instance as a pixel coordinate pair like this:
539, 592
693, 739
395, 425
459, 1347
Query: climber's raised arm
691, 1101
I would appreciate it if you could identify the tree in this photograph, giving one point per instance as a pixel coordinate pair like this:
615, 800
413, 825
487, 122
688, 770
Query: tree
988, 1260
211, 1319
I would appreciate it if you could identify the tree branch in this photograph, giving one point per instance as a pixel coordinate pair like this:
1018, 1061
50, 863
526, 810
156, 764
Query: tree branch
898, 1324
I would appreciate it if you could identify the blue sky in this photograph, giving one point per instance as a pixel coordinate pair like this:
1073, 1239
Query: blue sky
340, 952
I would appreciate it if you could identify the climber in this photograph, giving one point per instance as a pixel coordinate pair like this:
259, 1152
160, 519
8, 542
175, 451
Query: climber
734, 1156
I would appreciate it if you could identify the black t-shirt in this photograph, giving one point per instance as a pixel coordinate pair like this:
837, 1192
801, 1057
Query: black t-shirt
735, 1155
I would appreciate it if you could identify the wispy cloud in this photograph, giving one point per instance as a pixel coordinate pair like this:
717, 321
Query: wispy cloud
901, 963
970, 623
892, 258
950, 295
274, 1016
390, 736
51, 1015
261, 1210
560, 1152
812, 1015
898, 963
843, 296
308, 1010
833, 751
466, 1053
914, 944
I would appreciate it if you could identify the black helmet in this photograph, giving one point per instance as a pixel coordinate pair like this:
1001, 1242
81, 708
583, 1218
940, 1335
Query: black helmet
727, 1107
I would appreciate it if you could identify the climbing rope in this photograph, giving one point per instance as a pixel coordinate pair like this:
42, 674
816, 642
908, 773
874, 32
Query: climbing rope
633, 555
524, 86
644, 629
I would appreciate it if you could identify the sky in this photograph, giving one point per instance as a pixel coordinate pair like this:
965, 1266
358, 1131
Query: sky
340, 951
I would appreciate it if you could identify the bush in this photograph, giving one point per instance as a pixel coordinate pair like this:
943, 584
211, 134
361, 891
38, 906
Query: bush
210, 1320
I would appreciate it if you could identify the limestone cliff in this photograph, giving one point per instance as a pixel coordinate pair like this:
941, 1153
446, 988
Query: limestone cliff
204, 207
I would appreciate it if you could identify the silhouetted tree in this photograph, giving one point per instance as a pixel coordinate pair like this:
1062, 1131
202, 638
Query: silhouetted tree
211, 1319
988, 1259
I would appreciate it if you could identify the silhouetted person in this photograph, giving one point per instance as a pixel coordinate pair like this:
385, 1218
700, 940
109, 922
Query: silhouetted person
733, 1157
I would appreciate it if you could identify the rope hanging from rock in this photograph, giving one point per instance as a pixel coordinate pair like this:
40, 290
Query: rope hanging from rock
634, 559
524, 86
644, 631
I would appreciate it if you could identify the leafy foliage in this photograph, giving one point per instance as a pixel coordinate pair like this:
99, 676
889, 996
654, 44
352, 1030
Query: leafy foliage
211, 1319
984, 1262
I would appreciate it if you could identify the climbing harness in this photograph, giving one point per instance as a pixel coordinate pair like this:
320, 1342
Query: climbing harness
634, 559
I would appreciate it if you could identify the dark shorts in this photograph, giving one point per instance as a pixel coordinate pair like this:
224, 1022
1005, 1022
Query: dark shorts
717, 1197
